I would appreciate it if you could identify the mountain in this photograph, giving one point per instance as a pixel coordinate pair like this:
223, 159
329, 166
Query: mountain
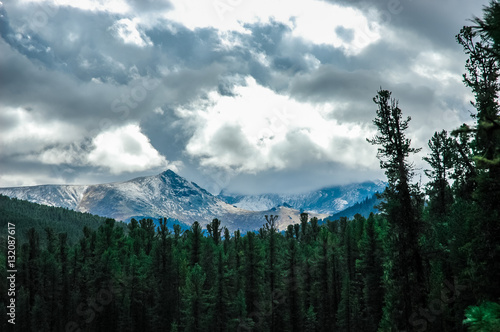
329, 200
164, 195
363, 208
171, 196
66, 196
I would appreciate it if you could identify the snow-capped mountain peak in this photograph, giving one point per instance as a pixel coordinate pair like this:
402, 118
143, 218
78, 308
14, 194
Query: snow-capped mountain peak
172, 196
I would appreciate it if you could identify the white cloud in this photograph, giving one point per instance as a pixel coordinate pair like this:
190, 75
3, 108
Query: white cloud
71, 154
29, 131
125, 149
128, 31
315, 21
259, 130
433, 65
112, 6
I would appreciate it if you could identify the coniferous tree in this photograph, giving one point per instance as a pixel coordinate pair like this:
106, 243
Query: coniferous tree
195, 300
195, 235
255, 306
483, 72
272, 268
214, 230
441, 161
405, 289
326, 315
372, 271
304, 235
293, 282
349, 309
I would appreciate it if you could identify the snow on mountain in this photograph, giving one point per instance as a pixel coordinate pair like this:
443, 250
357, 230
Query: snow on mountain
328, 200
164, 195
67, 196
171, 196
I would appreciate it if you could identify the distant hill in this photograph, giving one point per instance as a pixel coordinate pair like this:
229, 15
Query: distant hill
328, 200
26, 215
364, 208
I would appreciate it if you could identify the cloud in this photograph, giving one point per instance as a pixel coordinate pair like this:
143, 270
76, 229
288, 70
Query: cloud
125, 149
112, 6
315, 21
127, 30
258, 129
250, 91
25, 132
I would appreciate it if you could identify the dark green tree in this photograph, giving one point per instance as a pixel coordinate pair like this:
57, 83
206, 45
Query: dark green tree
214, 230
480, 43
195, 304
293, 287
441, 160
195, 240
405, 288
370, 266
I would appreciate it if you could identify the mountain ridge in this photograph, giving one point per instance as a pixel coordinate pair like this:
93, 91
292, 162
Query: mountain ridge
327, 200
163, 195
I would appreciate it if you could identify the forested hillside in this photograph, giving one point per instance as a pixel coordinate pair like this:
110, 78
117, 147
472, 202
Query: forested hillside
26, 215
429, 261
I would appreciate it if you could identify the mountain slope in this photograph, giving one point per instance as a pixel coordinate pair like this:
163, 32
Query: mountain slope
164, 195
171, 196
363, 208
66, 196
328, 200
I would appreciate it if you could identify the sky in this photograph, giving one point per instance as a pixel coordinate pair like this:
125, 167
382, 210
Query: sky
247, 96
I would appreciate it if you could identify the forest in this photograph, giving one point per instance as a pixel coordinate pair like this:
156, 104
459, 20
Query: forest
428, 261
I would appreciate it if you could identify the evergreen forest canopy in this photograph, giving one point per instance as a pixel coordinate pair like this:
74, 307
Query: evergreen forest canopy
26, 215
430, 261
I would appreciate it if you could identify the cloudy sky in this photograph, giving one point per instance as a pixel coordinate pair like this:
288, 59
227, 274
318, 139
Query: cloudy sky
250, 95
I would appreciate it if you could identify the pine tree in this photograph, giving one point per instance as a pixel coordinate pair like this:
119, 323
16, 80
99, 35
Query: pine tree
214, 230
194, 300
304, 235
405, 289
441, 161
253, 280
272, 267
483, 72
293, 291
195, 243
349, 310
326, 316
372, 272
220, 296
164, 272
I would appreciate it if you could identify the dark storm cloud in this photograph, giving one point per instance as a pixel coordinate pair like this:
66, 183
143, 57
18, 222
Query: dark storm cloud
436, 20
69, 40
168, 132
61, 86
329, 82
